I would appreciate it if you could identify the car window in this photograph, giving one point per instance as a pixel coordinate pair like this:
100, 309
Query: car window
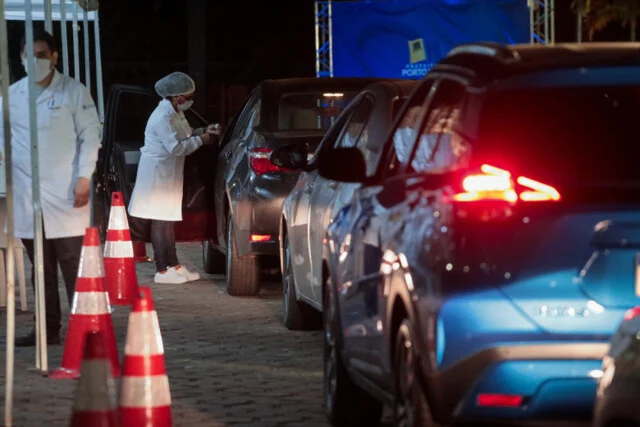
311, 111
565, 136
254, 117
334, 134
131, 115
355, 132
398, 147
246, 117
439, 148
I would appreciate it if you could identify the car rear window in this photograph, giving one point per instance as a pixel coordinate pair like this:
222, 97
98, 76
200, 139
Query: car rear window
311, 111
563, 134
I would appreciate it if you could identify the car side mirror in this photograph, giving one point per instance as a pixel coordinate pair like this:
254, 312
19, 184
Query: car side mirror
290, 156
345, 164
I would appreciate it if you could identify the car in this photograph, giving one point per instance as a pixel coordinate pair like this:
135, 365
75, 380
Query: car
127, 110
618, 379
307, 210
249, 189
480, 273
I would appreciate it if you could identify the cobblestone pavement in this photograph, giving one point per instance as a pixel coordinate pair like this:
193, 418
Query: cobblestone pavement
230, 361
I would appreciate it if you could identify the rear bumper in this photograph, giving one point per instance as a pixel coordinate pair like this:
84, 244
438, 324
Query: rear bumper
556, 381
257, 216
523, 423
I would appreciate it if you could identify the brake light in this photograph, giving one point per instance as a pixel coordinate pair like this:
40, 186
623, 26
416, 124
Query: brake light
632, 313
260, 237
494, 184
500, 400
260, 163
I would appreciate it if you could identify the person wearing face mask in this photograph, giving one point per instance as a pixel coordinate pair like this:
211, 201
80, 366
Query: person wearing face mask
157, 194
69, 135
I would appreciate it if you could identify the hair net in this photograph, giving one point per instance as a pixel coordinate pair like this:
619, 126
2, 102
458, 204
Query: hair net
175, 84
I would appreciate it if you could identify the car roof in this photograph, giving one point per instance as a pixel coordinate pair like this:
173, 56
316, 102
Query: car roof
277, 86
492, 61
393, 87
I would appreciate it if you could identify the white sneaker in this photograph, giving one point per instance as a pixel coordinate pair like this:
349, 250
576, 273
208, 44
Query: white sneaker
171, 276
191, 276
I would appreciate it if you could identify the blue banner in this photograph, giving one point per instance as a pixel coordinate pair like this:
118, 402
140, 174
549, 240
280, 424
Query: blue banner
405, 38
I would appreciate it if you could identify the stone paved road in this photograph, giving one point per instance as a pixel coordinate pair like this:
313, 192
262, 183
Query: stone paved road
229, 360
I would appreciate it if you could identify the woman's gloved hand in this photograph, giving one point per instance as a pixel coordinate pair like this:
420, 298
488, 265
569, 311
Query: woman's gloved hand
208, 138
214, 129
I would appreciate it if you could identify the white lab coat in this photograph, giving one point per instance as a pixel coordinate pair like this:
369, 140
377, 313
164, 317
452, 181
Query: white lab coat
69, 135
167, 140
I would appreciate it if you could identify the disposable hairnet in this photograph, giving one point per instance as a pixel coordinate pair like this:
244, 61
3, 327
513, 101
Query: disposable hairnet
175, 84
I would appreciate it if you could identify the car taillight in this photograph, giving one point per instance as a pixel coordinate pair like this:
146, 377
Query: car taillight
260, 163
490, 193
494, 184
632, 313
499, 400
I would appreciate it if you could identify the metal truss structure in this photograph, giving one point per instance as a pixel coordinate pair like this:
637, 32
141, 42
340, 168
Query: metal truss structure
324, 39
541, 21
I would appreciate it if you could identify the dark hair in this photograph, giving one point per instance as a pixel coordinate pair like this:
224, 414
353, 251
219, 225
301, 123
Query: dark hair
40, 35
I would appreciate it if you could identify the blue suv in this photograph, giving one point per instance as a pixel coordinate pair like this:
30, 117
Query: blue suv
480, 273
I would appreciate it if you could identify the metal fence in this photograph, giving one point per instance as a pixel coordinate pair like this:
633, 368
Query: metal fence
81, 13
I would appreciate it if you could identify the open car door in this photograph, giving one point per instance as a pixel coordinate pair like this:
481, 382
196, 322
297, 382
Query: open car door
128, 109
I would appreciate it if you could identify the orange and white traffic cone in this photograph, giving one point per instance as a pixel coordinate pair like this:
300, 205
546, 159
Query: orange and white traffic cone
95, 403
90, 311
140, 252
119, 263
145, 399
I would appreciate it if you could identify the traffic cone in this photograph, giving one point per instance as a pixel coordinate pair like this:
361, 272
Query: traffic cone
95, 403
90, 311
119, 264
145, 399
140, 252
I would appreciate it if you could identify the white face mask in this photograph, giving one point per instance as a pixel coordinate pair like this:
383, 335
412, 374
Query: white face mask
185, 106
42, 68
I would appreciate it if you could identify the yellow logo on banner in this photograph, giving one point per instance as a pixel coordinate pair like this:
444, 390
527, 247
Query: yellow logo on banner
416, 51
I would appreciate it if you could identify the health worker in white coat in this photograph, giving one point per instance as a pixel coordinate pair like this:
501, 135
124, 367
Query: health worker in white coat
157, 194
69, 135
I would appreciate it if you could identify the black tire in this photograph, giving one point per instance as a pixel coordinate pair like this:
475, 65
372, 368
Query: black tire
243, 273
346, 404
213, 261
410, 408
294, 310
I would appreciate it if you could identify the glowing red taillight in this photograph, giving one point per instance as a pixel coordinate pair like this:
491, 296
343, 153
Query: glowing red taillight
499, 400
632, 313
494, 184
260, 163
260, 237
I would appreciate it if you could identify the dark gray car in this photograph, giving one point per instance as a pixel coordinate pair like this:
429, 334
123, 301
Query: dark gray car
249, 188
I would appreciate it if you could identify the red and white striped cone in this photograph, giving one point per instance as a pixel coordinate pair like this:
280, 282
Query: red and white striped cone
119, 263
95, 403
90, 311
145, 398
140, 252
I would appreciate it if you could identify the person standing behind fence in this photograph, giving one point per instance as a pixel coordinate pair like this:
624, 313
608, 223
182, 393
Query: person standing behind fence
69, 137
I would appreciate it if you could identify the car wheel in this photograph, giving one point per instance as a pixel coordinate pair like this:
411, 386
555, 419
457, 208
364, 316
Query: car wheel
293, 310
213, 261
243, 273
410, 407
346, 403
